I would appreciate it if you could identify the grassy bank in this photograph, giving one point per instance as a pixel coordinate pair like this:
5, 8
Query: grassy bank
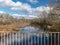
44, 24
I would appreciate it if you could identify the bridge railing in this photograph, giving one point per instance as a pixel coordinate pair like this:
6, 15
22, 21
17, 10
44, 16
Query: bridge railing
30, 38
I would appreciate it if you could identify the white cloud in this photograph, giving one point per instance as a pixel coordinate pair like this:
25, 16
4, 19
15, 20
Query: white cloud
24, 7
19, 16
24, 16
33, 1
6, 3
2, 12
39, 9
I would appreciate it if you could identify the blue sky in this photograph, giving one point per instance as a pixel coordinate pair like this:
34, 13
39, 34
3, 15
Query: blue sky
39, 3
23, 7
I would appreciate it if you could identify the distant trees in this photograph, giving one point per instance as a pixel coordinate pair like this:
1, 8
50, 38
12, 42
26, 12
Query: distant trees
7, 19
54, 15
52, 19
54, 10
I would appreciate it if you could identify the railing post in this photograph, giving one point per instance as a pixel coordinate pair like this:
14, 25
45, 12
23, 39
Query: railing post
1, 38
38, 39
54, 38
41, 38
4, 38
58, 38
10, 39
28, 39
51, 38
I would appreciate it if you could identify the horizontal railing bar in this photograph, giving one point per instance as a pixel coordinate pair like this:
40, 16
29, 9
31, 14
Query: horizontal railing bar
25, 32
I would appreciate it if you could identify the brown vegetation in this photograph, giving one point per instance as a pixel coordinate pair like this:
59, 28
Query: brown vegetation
9, 24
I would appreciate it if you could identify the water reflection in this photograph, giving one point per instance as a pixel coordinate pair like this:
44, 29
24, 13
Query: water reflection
31, 29
22, 38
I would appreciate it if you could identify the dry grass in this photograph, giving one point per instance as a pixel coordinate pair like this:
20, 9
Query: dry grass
14, 27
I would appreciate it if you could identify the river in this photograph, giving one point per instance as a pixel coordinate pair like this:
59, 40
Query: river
24, 38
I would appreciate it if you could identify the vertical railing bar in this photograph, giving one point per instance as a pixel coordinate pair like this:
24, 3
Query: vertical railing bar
38, 38
10, 38
25, 38
19, 38
1, 38
16, 39
7, 38
31, 40
51, 38
4, 38
22, 37
58, 38
41, 38
28, 38
44, 38
13, 37
54, 39
48, 40
34, 39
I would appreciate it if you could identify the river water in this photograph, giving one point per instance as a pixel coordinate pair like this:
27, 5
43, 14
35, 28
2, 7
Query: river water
22, 38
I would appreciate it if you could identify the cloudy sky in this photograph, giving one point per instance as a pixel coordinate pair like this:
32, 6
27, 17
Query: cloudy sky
23, 7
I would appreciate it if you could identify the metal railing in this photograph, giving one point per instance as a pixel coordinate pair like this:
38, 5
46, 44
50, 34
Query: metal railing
30, 38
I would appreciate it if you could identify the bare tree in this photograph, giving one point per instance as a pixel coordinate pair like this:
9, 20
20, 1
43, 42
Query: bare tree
54, 15
54, 10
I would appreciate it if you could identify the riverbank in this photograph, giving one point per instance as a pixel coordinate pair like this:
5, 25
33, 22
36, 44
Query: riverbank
14, 27
53, 27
